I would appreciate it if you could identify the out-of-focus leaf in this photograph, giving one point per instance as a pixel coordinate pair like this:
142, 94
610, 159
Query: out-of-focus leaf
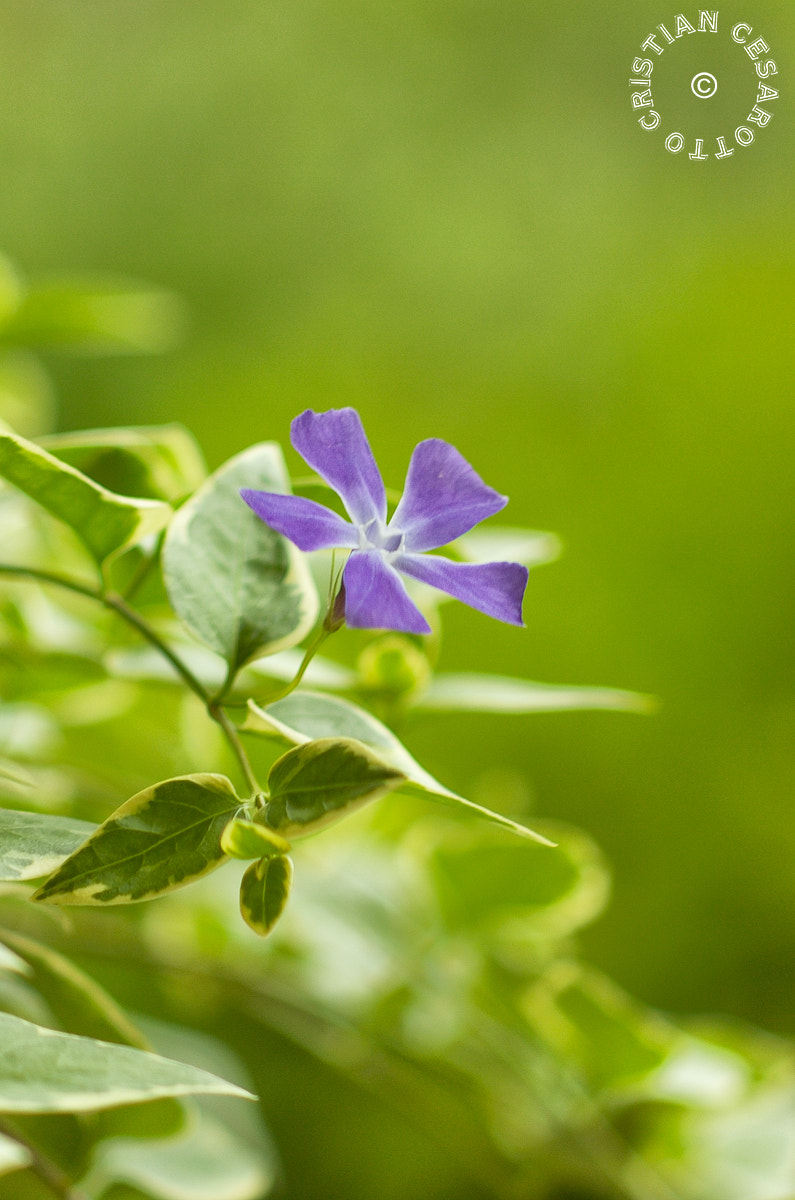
739, 1152
27, 403
316, 783
159, 461
506, 544
206, 1163
595, 1026
10, 289
305, 715
9, 961
106, 522
485, 879
241, 588
247, 839
42, 1070
27, 731
13, 1156
264, 891
79, 1003
498, 693
160, 839
96, 315
34, 844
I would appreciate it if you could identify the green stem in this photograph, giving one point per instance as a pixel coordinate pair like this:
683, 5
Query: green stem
311, 651
217, 713
119, 605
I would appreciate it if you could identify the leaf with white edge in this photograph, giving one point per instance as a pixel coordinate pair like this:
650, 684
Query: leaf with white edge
13, 1156
75, 999
264, 891
34, 844
207, 1162
498, 693
306, 715
316, 783
160, 461
241, 588
245, 839
46, 1071
160, 839
529, 547
107, 523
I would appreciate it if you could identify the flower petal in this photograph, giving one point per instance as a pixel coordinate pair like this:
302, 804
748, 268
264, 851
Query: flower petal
308, 525
495, 589
444, 498
335, 445
376, 597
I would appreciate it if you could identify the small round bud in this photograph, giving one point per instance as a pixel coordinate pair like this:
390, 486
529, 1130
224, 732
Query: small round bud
393, 665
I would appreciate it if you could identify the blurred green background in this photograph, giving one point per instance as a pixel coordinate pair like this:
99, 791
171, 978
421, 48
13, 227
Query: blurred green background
445, 214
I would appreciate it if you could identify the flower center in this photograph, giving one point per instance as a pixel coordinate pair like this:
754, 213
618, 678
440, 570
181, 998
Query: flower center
376, 536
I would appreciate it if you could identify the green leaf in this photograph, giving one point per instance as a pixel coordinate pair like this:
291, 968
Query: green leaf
43, 1070
33, 845
160, 461
208, 1162
486, 880
161, 839
612, 1039
106, 522
315, 783
76, 1000
245, 839
499, 693
241, 588
306, 715
264, 890
12, 1155
97, 315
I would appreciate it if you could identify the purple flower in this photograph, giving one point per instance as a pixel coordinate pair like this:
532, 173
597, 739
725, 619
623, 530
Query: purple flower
444, 498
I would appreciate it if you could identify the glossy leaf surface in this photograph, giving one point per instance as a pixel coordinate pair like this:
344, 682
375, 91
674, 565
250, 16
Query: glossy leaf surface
240, 587
162, 838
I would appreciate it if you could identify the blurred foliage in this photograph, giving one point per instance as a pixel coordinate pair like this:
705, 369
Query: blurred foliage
445, 214
420, 1005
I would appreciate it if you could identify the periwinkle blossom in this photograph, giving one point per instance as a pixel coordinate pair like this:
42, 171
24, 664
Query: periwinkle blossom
443, 499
